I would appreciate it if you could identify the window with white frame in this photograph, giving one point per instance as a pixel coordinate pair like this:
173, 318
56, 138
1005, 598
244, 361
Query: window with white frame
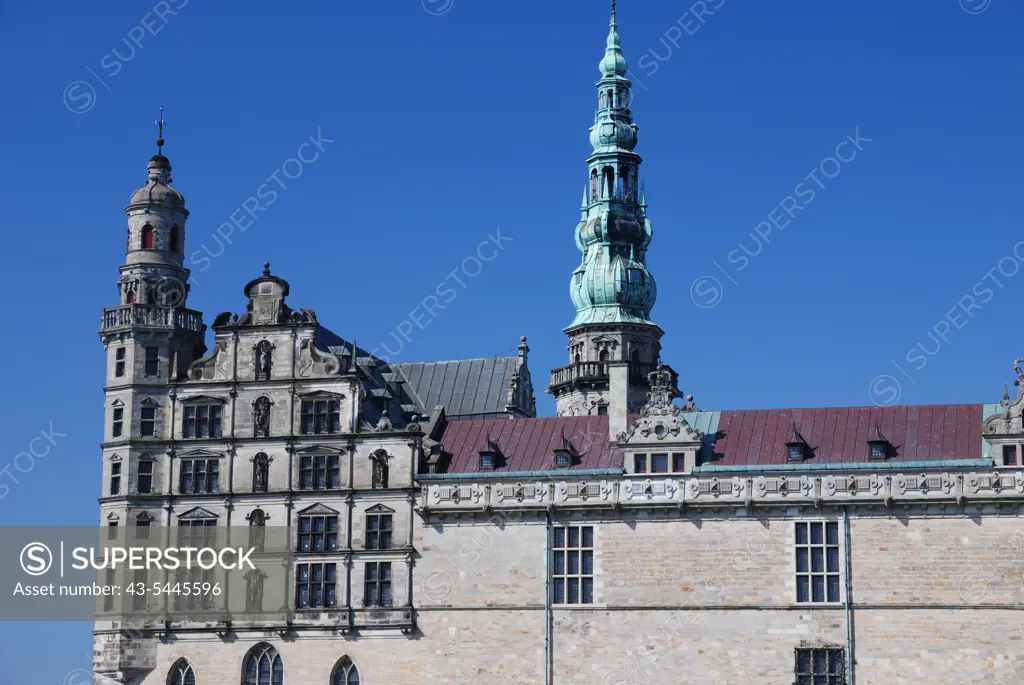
319, 472
315, 586
378, 531
115, 478
318, 533
201, 421
320, 417
817, 561
147, 419
199, 476
377, 584
144, 478
117, 422
572, 565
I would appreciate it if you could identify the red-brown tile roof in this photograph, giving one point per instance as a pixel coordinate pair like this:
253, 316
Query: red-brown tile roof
836, 435
529, 444
840, 434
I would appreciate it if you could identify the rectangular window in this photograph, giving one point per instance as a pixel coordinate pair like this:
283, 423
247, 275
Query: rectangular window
145, 484
316, 586
377, 590
877, 451
602, 410
147, 422
378, 531
659, 463
1009, 455
486, 462
817, 562
573, 565
197, 532
108, 600
117, 426
318, 533
199, 476
140, 578
119, 356
142, 530
319, 473
321, 417
112, 530
678, 463
115, 478
639, 463
152, 361
194, 602
201, 421
820, 667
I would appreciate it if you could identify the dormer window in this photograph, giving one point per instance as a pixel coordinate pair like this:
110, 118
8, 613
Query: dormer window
562, 459
797, 448
1009, 455
878, 446
487, 460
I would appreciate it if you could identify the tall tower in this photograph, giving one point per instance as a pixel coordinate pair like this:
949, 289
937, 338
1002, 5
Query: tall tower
613, 344
150, 337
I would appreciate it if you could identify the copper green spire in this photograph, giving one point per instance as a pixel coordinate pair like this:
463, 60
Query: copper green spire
612, 284
613, 64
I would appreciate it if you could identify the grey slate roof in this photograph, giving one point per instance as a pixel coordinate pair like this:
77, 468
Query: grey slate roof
467, 388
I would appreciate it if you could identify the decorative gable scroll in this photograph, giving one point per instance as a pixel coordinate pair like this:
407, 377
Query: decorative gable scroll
660, 419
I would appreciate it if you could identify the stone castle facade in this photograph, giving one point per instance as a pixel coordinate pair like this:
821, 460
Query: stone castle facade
631, 539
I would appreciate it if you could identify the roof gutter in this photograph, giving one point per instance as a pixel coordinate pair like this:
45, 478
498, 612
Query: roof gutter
856, 466
499, 475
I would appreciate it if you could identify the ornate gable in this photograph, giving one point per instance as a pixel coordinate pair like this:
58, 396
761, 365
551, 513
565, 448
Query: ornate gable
318, 510
660, 419
197, 513
379, 509
1009, 421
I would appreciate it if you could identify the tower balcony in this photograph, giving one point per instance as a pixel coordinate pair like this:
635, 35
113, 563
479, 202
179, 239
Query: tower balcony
594, 374
151, 316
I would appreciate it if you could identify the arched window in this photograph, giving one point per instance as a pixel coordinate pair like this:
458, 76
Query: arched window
181, 674
603, 356
593, 186
634, 356
263, 666
609, 180
147, 237
345, 673
173, 242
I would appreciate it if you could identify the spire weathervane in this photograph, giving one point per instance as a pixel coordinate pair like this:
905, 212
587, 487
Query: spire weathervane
160, 136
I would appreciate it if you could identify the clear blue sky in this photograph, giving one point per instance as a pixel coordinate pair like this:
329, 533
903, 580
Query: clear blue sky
447, 125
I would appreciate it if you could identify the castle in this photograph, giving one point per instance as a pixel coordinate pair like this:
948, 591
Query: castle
446, 534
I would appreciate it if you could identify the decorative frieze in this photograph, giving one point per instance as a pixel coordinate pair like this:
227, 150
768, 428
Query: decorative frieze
712, 490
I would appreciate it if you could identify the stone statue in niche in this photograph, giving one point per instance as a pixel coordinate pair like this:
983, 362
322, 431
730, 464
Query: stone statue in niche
261, 417
254, 590
380, 470
257, 528
264, 360
260, 473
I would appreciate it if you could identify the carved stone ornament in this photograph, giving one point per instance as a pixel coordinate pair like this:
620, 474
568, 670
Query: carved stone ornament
316, 362
264, 358
261, 417
660, 418
214, 366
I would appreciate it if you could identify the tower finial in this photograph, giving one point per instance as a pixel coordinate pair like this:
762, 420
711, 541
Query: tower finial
160, 136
